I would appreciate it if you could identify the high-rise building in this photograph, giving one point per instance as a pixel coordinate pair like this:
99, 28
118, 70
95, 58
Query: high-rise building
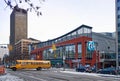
18, 25
118, 32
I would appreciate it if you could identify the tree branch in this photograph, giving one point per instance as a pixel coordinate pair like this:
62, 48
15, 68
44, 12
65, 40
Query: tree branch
30, 8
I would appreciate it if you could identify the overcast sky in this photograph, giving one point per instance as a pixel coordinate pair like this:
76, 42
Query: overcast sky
62, 16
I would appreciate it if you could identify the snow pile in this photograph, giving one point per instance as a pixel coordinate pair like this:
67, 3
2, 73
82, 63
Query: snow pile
92, 74
81, 73
8, 77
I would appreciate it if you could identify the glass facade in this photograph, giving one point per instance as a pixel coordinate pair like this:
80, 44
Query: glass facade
79, 50
81, 31
118, 28
67, 50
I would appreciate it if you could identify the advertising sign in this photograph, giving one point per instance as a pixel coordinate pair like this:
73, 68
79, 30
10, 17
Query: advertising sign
91, 45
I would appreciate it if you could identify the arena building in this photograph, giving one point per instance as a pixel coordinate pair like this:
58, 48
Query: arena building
72, 49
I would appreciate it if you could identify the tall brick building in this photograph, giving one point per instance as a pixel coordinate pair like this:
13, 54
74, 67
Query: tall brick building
18, 26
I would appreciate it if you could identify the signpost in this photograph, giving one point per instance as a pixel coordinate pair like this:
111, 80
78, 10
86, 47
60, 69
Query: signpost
64, 62
63, 57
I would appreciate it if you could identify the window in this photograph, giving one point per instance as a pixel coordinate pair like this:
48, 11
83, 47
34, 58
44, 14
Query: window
79, 50
80, 31
70, 50
118, 0
118, 8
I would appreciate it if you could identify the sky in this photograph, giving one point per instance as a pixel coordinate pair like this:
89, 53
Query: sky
62, 16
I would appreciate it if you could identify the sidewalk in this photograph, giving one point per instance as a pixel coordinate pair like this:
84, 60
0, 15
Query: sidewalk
72, 71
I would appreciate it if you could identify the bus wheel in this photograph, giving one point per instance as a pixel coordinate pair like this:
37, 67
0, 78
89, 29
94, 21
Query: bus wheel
39, 68
14, 69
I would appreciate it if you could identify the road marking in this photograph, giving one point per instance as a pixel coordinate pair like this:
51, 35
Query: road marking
37, 78
31, 76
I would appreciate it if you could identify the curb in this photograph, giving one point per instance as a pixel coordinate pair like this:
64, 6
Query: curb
94, 74
106, 75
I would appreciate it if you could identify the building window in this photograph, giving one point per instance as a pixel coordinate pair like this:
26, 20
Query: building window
79, 50
118, 15
118, 0
118, 24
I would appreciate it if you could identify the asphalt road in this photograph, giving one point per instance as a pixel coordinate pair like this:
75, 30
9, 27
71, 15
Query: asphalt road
57, 75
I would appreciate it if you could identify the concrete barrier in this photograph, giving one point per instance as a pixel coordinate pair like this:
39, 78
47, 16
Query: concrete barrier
2, 69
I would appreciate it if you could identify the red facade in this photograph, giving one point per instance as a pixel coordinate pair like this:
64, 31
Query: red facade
78, 37
83, 40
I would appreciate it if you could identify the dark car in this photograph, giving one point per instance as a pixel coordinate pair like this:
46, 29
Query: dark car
109, 70
81, 69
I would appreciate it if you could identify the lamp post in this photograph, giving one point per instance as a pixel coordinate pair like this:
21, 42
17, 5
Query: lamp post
29, 50
96, 56
64, 62
117, 53
63, 57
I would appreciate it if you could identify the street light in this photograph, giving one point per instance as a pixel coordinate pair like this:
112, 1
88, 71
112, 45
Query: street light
64, 62
29, 49
63, 57
96, 55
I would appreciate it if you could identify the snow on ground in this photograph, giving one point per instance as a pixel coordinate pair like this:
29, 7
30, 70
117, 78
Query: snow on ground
8, 77
91, 74
80, 73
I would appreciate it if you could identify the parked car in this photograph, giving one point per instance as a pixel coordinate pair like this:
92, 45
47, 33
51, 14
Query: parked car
109, 70
88, 69
81, 69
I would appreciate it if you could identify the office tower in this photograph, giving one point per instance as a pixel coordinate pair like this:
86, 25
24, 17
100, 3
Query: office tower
18, 25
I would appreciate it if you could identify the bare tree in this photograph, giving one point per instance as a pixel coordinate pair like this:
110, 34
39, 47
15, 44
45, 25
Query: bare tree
13, 4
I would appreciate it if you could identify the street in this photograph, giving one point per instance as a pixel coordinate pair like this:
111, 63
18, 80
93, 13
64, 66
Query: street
58, 75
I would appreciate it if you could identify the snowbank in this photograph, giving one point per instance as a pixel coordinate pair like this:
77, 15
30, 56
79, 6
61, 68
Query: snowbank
92, 74
8, 77
80, 73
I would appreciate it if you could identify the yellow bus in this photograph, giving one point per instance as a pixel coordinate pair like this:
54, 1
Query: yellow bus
31, 64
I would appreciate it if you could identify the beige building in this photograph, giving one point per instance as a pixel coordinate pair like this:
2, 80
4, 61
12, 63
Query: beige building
22, 48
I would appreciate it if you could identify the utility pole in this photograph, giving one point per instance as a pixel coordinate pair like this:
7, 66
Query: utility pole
63, 57
96, 57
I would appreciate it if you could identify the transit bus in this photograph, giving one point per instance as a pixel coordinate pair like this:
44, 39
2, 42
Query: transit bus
31, 64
